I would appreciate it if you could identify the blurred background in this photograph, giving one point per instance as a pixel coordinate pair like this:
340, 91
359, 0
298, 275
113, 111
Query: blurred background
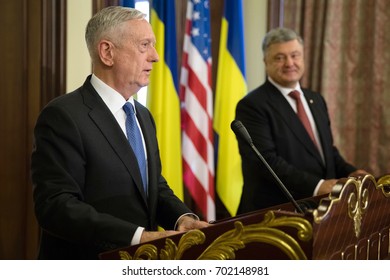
44, 55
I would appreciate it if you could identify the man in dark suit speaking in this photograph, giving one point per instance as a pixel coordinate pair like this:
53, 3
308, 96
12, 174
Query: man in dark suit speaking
290, 127
96, 168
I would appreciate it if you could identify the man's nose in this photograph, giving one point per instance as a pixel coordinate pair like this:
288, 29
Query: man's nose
154, 55
289, 60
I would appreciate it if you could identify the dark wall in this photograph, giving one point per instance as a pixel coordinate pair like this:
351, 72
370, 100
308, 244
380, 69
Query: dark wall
32, 48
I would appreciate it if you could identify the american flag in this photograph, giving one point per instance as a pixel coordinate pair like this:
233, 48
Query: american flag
197, 108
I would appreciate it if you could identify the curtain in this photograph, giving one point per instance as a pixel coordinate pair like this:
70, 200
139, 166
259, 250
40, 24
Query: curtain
347, 50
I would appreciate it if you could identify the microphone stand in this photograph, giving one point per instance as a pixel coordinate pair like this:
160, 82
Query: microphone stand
240, 129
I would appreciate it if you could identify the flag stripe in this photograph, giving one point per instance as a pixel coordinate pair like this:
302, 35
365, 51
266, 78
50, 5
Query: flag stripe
127, 3
196, 189
163, 98
196, 64
233, 14
197, 88
197, 108
231, 68
197, 165
166, 12
192, 132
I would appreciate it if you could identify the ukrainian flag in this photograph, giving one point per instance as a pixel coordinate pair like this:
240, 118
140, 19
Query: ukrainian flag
163, 99
127, 3
231, 87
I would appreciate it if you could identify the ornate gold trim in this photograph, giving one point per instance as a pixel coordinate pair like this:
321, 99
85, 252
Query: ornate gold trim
334, 197
144, 252
357, 201
357, 204
189, 239
384, 185
225, 246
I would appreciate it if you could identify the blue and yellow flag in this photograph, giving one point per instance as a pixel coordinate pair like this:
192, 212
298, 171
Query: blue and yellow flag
163, 99
231, 87
127, 3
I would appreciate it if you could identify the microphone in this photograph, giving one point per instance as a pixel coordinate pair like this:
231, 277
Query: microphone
240, 130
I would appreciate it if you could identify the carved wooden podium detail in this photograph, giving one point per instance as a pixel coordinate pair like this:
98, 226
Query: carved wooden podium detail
225, 246
352, 222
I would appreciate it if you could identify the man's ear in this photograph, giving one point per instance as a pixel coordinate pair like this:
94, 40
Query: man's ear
106, 52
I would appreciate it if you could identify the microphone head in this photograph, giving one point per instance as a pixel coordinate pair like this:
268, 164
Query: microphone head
240, 130
235, 125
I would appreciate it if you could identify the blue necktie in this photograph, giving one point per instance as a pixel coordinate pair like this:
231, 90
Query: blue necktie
135, 140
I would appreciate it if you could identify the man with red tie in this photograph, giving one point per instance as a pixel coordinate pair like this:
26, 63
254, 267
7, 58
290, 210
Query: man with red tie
290, 127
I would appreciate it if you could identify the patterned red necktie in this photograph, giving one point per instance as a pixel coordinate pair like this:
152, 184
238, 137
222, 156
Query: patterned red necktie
302, 115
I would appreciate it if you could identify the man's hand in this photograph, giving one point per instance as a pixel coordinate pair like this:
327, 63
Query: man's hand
151, 235
185, 223
188, 222
358, 173
326, 186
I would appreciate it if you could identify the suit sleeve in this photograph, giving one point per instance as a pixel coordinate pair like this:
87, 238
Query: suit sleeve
58, 167
267, 136
341, 166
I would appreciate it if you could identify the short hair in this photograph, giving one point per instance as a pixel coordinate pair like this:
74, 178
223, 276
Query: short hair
105, 23
279, 35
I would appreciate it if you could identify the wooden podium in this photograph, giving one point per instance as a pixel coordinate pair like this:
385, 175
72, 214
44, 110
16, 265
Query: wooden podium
352, 222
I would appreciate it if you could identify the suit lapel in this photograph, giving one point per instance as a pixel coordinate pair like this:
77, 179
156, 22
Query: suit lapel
321, 120
280, 104
103, 118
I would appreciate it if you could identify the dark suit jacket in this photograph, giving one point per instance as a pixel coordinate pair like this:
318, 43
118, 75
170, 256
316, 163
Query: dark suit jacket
88, 192
284, 143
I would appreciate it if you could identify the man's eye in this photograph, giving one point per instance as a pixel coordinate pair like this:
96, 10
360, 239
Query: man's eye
295, 56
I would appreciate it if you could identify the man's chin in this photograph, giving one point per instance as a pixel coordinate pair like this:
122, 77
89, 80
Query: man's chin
144, 83
291, 79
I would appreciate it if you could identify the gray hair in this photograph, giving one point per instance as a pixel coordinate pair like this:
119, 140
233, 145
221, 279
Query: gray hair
279, 35
106, 23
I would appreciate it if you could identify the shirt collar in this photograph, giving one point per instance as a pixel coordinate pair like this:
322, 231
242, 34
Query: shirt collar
285, 91
113, 99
